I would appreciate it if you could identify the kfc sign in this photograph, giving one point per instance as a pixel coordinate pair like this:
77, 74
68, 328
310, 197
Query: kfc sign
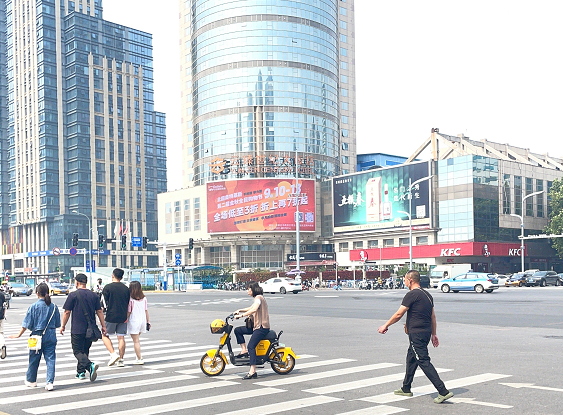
515, 252
450, 252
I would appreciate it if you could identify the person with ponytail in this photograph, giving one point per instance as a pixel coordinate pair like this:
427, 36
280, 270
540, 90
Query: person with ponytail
42, 318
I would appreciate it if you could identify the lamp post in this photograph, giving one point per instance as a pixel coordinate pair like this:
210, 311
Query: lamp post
411, 185
89, 242
521, 217
297, 192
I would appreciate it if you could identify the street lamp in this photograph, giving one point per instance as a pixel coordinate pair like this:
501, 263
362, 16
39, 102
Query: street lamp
410, 214
298, 272
521, 217
89, 242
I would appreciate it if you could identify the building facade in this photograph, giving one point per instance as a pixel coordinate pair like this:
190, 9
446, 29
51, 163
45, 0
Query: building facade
268, 93
377, 160
473, 210
86, 149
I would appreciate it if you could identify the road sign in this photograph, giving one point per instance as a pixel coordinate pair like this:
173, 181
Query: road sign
56, 251
178, 256
178, 262
136, 241
146, 270
72, 251
87, 266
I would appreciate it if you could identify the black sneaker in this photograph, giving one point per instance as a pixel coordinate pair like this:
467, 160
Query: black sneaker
3, 352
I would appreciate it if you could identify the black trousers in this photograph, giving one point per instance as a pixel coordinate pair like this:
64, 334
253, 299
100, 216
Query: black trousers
81, 350
417, 356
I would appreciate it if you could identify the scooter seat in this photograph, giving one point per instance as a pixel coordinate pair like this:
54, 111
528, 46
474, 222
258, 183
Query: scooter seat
271, 336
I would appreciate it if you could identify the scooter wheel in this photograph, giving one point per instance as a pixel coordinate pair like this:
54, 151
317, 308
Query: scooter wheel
212, 366
280, 366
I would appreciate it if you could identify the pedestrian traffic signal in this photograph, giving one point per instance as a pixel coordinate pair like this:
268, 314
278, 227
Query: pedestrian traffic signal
124, 241
101, 241
191, 243
74, 239
145, 242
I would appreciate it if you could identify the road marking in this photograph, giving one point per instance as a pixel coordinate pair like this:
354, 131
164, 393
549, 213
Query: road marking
194, 403
376, 410
327, 296
472, 401
322, 375
428, 389
73, 381
131, 355
80, 389
364, 383
531, 386
110, 400
284, 406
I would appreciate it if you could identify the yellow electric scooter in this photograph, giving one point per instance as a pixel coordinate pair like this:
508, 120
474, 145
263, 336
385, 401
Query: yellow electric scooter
281, 358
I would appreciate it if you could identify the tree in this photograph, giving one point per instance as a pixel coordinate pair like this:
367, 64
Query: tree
555, 208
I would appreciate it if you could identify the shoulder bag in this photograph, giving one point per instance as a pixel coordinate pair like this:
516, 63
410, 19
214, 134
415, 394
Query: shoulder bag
34, 341
93, 333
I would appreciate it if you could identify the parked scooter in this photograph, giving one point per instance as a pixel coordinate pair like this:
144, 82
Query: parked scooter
281, 358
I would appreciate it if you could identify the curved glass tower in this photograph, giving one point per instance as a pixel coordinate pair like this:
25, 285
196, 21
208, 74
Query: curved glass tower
260, 83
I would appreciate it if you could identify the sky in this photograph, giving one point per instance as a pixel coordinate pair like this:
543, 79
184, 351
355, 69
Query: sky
486, 69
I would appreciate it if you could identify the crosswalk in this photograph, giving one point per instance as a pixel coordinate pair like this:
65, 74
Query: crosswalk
172, 382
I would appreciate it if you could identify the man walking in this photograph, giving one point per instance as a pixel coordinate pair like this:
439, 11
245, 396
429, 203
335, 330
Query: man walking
79, 304
2, 316
421, 328
116, 296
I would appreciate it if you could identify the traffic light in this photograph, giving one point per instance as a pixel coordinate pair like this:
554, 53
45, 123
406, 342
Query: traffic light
74, 239
145, 242
101, 241
124, 241
191, 243
335, 266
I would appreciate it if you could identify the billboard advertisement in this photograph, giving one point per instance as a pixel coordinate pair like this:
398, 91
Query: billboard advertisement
258, 205
373, 199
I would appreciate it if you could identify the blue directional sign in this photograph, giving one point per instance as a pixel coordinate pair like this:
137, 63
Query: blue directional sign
178, 256
87, 266
136, 241
178, 262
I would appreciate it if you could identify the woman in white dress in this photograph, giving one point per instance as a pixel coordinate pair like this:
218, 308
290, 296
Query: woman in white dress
137, 317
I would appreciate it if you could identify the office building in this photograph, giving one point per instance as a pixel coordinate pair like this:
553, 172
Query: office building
268, 90
86, 149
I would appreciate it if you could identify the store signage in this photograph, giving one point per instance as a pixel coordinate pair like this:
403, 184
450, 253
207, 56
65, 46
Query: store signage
450, 252
313, 256
515, 252
258, 205
377, 199
268, 163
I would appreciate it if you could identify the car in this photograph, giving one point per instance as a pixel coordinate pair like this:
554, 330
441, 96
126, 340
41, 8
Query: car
281, 285
471, 281
424, 281
516, 280
543, 278
21, 289
502, 278
56, 288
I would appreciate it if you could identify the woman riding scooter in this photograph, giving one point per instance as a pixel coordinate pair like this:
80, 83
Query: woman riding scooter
259, 312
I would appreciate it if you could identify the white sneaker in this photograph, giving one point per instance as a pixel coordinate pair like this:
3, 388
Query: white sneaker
3, 352
30, 384
120, 363
113, 357
49, 387
139, 362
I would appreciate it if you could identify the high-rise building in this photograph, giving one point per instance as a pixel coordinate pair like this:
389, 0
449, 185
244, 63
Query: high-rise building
85, 147
265, 79
268, 94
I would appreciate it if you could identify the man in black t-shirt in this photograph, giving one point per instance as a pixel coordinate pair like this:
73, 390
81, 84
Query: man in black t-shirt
421, 328
77, 304
116, 296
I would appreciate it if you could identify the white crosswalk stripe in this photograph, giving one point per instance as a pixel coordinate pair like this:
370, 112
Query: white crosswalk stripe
172, 372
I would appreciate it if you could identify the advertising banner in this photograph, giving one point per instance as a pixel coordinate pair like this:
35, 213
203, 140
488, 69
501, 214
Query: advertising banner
258, 205
373, 199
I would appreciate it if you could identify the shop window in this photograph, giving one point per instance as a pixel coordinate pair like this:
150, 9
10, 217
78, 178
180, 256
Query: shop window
422, 240
358, 244
343, 247
388, 242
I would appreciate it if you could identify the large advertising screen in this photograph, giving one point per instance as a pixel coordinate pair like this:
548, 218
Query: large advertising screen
258, 205
373, 199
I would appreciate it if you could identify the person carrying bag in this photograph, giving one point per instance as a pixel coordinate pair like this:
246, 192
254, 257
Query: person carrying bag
43, 339
93, 333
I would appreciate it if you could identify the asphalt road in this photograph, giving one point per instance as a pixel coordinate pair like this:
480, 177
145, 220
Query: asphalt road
499, 353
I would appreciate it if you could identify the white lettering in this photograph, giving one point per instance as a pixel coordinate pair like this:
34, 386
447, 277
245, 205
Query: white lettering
515, 252
450, 252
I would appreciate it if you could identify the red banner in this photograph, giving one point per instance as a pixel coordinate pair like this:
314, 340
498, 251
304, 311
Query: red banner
258, 205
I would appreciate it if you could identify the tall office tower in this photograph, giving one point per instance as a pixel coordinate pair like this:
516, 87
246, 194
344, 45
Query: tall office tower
262, 80
4, 174
86, 150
